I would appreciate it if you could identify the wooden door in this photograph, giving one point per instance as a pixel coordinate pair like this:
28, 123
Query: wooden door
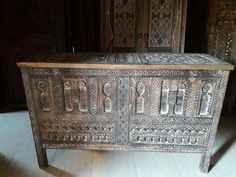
120, 23
164, 25
143, 25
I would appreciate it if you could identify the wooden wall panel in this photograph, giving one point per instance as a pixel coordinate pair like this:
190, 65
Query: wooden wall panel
222, 42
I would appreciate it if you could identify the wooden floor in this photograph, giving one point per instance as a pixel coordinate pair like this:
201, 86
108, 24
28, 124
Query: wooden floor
18, 158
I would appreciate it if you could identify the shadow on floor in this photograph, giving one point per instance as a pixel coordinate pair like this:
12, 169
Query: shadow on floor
224, 126
4, 163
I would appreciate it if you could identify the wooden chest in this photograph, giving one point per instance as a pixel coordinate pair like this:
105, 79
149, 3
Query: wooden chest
141, 101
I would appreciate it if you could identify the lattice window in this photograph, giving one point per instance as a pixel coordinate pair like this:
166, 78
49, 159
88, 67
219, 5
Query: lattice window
124, 23
160, 24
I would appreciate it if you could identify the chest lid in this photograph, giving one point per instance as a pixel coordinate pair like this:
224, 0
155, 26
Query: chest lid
127, 61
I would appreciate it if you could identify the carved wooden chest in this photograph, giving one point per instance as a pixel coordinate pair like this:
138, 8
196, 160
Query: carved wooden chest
142, 101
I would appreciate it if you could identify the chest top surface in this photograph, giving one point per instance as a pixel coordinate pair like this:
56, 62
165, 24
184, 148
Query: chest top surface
128, 61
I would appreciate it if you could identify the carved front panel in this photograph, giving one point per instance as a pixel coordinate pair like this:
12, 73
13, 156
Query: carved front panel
125, 109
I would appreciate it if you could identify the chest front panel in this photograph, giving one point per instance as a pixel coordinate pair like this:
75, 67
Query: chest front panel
125, 109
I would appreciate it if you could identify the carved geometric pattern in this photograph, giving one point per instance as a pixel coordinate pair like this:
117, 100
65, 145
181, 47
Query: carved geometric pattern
68, 96
132, 58
152, 73
93, 90
206, 100
140, 94
226, 11
142, 87
77, 137
173, 97
83, 97
107, 95
140, 100
75, 95
76, 127
107, 101
161, 58
223, 43
168, 134
124, 23
222, 40
155, 95
178, 120
160, 25
165, 139
180, 98
58, 91
122, 119
193, 97
44, 96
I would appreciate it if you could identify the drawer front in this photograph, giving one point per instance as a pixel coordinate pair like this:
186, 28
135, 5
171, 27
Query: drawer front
124, 109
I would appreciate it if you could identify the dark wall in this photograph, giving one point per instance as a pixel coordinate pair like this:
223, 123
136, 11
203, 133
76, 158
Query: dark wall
82, 25
27, 28
196, 33
38, 26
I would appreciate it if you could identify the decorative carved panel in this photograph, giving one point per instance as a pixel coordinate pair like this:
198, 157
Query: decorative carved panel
143, 25
124, 23
160, 25
223, 30
168, 135
95, 109
222, 42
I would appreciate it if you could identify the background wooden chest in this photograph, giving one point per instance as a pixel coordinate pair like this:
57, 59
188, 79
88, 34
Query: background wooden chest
149, 102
